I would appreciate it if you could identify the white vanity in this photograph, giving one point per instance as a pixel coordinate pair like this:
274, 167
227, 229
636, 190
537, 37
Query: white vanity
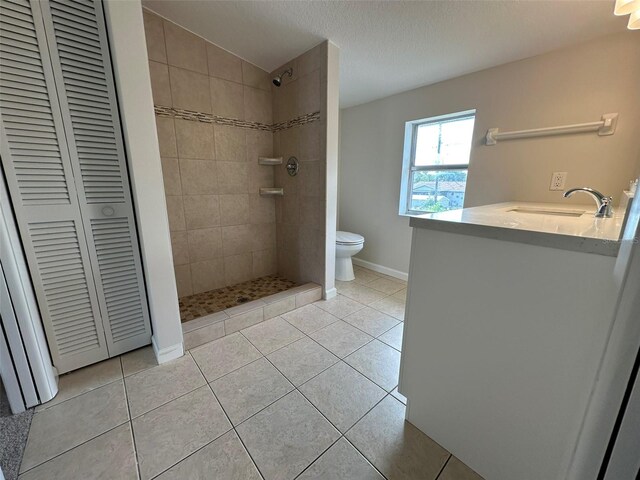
508, 310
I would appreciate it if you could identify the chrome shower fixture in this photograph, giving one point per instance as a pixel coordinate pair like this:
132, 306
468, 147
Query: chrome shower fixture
277, 80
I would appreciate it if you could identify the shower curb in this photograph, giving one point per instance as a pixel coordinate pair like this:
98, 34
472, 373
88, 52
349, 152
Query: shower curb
217, 325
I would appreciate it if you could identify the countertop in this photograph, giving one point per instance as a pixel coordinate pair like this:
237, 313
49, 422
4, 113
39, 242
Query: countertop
581, 232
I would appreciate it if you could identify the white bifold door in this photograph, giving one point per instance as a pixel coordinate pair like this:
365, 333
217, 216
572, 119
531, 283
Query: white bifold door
63, 158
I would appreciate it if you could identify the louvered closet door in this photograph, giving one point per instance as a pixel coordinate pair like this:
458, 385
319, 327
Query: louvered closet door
38, 171
77, 40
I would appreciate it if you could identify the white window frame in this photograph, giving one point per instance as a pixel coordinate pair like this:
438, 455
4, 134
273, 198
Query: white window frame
409, 153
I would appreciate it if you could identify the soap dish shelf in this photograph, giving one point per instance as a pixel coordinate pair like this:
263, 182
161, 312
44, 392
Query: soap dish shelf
271, 192
269, 161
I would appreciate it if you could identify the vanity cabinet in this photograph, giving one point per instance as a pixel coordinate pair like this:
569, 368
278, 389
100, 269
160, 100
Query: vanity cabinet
502, 345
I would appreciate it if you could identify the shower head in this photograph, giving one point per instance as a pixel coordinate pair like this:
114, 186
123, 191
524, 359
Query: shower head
277, 80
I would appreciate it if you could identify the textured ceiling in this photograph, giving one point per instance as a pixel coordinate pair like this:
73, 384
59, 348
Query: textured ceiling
392, 46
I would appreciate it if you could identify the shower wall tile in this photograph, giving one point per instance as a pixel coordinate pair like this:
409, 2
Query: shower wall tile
207, 275
232, 177
183, 280
205, 244
231, 145
222, 231
166, 137
227, 98
263, 236
199, 177
311, 60
253, 76
201, 211
265, 262
160, 85
257, 105
260, 177
236, 239
300, 214
308, 92
262, 209
171, 176
190, 90
194, 140
289, 142
312, 211
184, 49
175, 212
238, 268
259, 144
312, 178
154, 33
234, 209
286, 97
180, 248
223, 64
309, 139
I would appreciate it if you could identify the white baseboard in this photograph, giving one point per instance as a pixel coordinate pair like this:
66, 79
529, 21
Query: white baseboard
381, 269
166, 354
332, 292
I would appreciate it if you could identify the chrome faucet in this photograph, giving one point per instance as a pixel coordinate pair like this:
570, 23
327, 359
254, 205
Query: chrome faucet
603, 202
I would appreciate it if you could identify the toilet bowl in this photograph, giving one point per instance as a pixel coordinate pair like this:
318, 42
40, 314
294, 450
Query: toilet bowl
347, 245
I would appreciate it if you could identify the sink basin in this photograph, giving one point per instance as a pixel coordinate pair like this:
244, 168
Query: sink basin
548, 211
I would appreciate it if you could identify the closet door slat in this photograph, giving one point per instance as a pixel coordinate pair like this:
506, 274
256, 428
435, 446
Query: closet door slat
78, 44
39, 174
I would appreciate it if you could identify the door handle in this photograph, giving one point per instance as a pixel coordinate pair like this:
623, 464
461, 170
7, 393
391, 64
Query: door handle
108, 211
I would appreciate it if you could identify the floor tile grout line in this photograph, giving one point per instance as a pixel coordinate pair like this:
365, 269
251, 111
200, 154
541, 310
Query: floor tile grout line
179, 396
75, 446
319, 456
353, 426
374, 336
318, 329
330, 422
233, 427
279, 348
194, 452
443, 466
339, 358
133, 434
362, 454
78, 395
370, 305
216, 438
295, 388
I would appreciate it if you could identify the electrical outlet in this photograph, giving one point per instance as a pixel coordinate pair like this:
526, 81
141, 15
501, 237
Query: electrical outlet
558, 180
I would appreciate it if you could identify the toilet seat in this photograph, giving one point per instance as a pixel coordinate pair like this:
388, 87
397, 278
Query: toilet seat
348, 238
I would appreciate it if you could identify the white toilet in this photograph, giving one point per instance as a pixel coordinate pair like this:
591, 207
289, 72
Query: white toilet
347, 245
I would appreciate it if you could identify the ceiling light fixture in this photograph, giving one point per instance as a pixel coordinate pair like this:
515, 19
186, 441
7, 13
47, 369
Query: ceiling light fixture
631, 8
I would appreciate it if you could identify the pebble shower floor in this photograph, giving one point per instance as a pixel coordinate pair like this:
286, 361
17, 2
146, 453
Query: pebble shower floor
205, 303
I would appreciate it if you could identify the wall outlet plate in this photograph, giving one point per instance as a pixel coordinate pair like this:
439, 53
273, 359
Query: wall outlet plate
558, 179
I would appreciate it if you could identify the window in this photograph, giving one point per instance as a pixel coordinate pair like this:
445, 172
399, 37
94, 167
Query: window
436, 160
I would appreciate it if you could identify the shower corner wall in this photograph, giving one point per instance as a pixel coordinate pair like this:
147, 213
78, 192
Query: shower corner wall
300, 108
213, 118
215, 115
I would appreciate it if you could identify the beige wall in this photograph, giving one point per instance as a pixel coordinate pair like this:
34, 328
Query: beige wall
300, 213
222, 231
573, 85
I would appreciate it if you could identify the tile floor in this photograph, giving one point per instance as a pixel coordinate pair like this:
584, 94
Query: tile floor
310, 394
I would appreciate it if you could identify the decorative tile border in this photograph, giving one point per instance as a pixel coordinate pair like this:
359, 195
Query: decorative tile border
182, 114
301, 120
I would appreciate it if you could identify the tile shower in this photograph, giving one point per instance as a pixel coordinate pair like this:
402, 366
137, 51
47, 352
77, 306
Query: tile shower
215, 115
